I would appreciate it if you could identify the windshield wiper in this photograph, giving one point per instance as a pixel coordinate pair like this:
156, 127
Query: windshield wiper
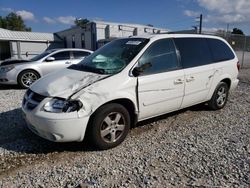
81, 67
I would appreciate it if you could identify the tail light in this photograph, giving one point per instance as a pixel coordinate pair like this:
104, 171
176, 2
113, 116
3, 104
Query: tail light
238, 65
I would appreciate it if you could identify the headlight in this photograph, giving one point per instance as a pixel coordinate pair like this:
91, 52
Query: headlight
6, 68
61, 105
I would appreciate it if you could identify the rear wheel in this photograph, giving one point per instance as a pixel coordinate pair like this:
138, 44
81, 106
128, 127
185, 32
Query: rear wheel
219, 98
109, 126
28, 77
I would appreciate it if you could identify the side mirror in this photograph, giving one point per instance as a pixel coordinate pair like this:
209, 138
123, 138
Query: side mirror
139, 70
49, 59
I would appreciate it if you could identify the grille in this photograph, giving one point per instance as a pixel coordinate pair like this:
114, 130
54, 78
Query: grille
37, 97
28, 92
31, 99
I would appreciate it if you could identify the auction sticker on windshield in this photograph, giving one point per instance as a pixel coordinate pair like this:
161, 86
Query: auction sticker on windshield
133, 42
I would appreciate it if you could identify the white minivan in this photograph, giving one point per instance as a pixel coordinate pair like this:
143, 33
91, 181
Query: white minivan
130, 80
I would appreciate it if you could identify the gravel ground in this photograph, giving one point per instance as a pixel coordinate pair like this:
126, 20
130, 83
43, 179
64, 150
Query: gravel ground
192, 147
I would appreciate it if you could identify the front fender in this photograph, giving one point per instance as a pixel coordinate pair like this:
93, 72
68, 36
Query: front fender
34, 67
92, 100
105, 91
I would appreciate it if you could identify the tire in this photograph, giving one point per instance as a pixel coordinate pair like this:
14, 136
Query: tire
109, 126
220, 96
27, 77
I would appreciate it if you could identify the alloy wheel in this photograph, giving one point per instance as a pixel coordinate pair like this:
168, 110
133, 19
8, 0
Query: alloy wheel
112, 127
221, 96
28, 78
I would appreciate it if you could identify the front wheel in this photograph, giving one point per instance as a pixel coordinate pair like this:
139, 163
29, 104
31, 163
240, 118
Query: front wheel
27, 77
219, 98
109, 126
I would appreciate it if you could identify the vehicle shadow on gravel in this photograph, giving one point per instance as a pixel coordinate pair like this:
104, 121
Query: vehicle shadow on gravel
16, 137
198, 107
10, 87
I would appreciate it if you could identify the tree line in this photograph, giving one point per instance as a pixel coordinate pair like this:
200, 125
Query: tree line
13, 22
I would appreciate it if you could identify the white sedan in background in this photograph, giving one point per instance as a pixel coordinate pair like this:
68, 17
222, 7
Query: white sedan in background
26, 72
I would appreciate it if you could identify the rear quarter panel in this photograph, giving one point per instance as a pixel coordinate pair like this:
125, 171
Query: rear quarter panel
224, 70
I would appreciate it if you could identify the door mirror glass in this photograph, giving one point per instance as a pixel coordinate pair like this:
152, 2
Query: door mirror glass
138, 70
49, 59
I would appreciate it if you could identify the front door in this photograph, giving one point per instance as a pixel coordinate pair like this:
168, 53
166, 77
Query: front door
161, 85
62, 60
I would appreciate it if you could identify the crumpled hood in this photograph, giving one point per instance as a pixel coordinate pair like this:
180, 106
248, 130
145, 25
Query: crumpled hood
64, 82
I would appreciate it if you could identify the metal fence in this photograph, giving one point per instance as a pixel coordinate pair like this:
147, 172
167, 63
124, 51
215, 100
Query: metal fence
240, 43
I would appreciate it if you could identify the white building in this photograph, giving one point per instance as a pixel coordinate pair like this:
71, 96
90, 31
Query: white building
97, 33
25, 45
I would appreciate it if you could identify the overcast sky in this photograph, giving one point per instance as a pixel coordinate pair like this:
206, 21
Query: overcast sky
52, 16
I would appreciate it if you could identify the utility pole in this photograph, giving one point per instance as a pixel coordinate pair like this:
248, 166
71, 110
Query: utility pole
227, 27
227, 34
200, 28
243, 54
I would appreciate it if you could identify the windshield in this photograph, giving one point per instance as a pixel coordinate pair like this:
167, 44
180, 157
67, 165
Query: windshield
42, 55
113, 57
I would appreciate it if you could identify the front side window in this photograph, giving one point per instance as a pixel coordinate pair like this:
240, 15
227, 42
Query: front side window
113, 57
161, 56
42, 55
194, 51
61, 56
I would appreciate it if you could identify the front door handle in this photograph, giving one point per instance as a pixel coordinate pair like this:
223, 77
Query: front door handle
178, 81
68, 62
190, 79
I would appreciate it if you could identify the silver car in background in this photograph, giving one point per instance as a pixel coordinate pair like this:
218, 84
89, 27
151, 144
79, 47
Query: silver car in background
26, 72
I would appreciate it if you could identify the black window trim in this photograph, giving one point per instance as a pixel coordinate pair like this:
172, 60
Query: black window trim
178, 53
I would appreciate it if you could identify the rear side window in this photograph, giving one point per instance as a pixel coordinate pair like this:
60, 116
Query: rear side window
80, 54
194, 51
161, 55
220, 50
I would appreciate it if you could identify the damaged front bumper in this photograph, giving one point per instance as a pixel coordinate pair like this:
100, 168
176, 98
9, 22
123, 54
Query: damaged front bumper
56, 127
